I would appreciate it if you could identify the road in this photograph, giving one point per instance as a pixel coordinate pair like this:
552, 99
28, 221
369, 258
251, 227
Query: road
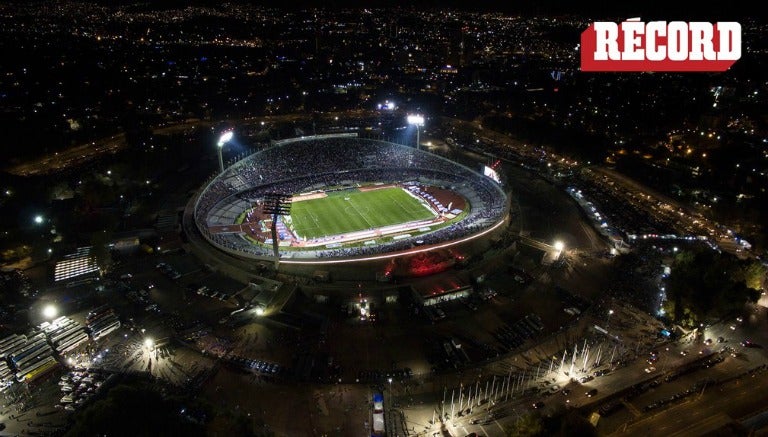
657, 204
707, 411
81, 154
698, 411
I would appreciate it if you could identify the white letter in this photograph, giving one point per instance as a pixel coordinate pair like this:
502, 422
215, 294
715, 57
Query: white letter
653, 50
632, 31
730, 41
677, 41
701, 41
606, 46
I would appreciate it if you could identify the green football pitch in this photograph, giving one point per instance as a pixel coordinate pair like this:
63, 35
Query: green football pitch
353, 210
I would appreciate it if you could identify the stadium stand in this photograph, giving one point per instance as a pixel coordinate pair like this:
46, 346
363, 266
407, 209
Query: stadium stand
304, 164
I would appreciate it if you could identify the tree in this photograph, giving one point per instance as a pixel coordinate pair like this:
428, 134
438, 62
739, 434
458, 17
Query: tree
574, 425
529, 425
132, 410
753, 275
705, 284
100, 250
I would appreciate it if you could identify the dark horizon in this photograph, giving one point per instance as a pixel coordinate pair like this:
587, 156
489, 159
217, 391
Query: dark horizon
648, 10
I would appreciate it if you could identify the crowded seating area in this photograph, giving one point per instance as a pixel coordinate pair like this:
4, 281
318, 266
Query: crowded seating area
307, 164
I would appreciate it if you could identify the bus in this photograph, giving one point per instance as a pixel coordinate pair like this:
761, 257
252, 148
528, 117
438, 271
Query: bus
12, 346
68, 339
101, 316
9, 345
72, 343
30, 365
96, 312
41, 371
378, 414
64, 334
7, 340
102, 323
67, 324
21, 374
45, 352
48, 326
27, 350
106, 330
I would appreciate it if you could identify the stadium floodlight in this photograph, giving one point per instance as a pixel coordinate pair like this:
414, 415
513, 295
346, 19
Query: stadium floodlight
418, 121
223, 139
50, 311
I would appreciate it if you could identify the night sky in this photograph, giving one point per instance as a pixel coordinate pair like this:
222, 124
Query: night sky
649, 10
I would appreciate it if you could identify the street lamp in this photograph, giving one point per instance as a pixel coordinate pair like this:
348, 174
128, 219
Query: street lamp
559, 246
223, 139
149, 343
38, 219
50, 311
418, 121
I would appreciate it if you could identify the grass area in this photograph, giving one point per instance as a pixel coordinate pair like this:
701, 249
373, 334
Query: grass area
241, 218
353, 210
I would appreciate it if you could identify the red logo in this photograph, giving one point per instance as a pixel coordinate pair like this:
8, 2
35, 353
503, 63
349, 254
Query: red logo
660, 46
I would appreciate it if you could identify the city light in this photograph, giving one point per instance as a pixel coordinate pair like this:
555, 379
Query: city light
387, 106
50, 311
435, 245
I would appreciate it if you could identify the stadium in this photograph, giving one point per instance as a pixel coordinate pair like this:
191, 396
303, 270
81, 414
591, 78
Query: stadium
351, 199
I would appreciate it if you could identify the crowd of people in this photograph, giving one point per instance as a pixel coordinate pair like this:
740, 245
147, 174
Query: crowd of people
309, 164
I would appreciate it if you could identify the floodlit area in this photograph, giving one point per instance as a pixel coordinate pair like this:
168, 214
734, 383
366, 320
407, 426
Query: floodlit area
356, 210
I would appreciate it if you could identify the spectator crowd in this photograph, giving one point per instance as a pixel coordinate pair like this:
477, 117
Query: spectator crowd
308, 164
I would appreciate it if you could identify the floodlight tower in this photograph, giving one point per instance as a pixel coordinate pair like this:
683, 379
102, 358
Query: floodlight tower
418, 121
223, 139
276, 205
